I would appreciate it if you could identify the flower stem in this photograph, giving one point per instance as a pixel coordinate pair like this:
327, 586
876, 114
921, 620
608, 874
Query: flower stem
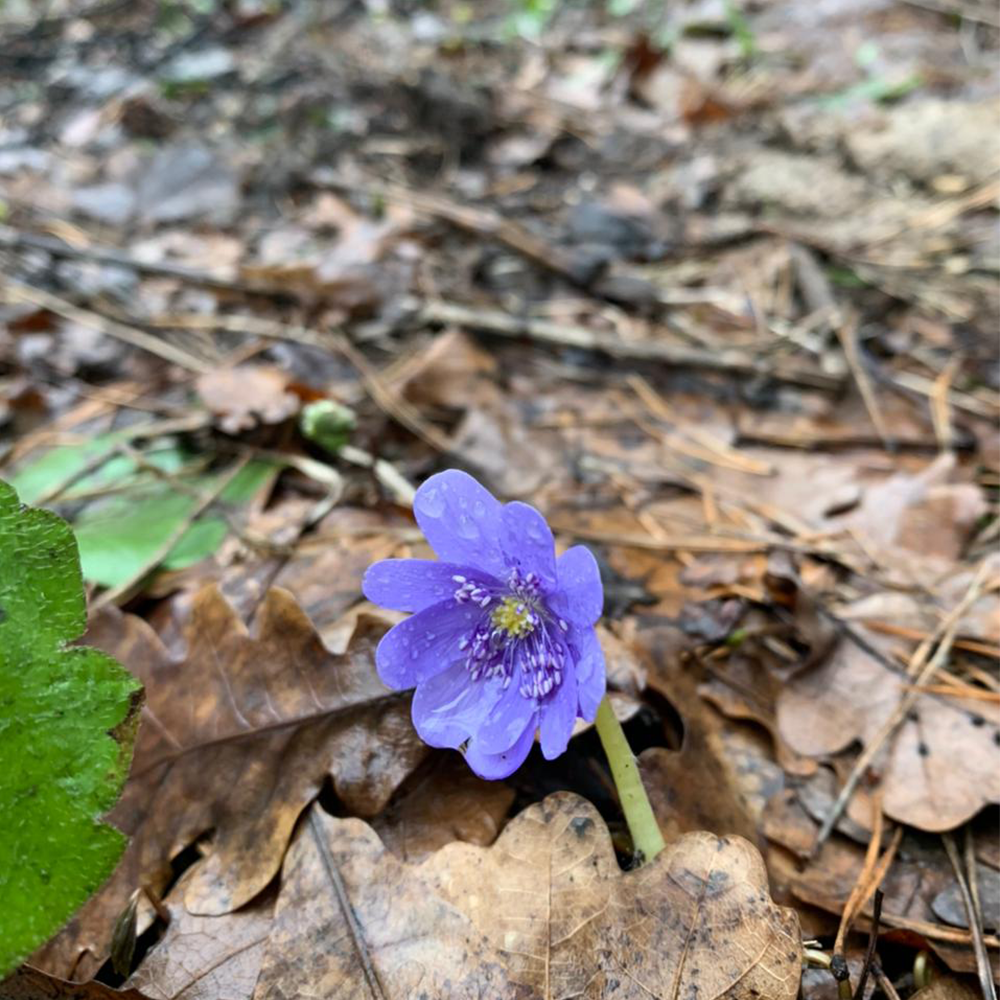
646, 836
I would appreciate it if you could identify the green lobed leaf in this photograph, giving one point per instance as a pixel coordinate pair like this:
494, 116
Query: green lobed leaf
67, 725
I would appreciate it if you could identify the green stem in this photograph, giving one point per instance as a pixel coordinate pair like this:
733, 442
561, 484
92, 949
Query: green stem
646, 837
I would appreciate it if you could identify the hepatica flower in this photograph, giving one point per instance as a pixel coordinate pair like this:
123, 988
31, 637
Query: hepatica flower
501, 641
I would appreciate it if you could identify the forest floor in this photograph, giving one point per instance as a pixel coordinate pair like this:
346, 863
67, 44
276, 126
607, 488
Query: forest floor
713, 285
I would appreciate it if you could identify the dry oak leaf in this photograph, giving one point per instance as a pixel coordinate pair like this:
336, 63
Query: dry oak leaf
207, 957
355, 923
937, 771
32, 984
244, 396
549, 895
239, 733
442, 802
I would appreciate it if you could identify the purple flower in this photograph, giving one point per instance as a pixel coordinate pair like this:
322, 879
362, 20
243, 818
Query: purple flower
502, 640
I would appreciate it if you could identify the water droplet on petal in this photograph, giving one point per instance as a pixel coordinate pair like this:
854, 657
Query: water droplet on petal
466, 527
430, 502
479, 509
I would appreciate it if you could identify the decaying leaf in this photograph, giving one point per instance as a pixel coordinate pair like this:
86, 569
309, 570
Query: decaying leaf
722, 776
549, 894
32, 984
442, 802
940, 768
244, 396
240, 732
354, 922
207, 957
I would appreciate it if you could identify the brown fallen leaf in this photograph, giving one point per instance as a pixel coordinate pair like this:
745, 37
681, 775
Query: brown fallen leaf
919, 873
207, 957
940, 768
246, 395
550, 895
352, 921
741, 687
239, 733
947, 988
723, 775
442, 802
33, 984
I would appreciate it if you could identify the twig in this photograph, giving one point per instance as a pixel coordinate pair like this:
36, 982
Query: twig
388, 401
872, 941
154, 429
973, 913
847, 333
948, 629
711, 449
561, 335
883, 982
127, 588
13, 239
940, 409
872, 874
476, 220
350, 917
112, 328
934, 932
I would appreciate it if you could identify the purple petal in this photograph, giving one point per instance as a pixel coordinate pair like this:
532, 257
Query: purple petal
415, 584
507, 720
591, 678
451, 707
558, 715
493, 766
581, 594
461, 521
422, 646
527, 543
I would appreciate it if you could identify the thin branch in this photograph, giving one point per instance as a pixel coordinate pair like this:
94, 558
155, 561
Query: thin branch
337, 881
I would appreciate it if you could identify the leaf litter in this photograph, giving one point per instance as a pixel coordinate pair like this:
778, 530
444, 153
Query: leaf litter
704, 284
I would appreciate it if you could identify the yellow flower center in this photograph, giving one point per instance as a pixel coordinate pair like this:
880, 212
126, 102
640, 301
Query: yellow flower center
512, 616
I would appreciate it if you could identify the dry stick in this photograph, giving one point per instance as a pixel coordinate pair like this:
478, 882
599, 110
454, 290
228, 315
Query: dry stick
112, 328
935, 932
940, 409
126, 589
847, 333
871, 876
388, 401
562, 335
948, 629
973, 914
883, 982
13, 239
337, 881
476, 220
872, 941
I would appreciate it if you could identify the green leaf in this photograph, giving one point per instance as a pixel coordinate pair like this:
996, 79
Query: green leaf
67, 724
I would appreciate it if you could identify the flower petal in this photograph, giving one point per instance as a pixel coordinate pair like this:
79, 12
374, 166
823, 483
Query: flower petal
591, 677
461, 521
558, 715
580, 598
507, 720
493, 766
423, 645
415, 584
451, 707
527, 542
